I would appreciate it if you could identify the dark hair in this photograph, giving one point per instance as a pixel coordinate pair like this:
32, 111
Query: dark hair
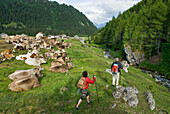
85, 74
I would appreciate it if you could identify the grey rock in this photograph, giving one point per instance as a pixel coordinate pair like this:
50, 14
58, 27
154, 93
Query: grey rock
151, 101
113, 105
133, 57
129, 92
133, 100
117, 94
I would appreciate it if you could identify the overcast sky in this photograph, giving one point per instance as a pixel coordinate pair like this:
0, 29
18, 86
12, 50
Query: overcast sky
100, 11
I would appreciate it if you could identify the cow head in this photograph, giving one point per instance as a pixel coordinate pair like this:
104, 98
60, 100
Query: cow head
69, 65
37, 71
33, 55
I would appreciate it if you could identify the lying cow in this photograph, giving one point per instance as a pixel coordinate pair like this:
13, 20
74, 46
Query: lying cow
2, 58
63, 68
60, 61
7, 54
26, 73
35, 61
28, 55
32, 58
62, 64
24, 84
8, 51
24, 80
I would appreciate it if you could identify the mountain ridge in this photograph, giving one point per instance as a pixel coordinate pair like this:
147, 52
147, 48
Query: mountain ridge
49, 17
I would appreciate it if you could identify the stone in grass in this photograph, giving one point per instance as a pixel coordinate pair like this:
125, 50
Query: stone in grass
113, 105
151, 101
117, 94
133, 100
128, 92
63, 89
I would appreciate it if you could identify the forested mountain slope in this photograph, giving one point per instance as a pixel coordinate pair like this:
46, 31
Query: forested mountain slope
32, 16
144, 27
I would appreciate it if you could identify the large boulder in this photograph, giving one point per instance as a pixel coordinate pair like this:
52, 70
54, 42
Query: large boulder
133, 100
129, 95
134, 58
128, 92
117, 94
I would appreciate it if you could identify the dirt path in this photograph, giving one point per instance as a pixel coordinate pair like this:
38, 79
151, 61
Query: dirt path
5, 65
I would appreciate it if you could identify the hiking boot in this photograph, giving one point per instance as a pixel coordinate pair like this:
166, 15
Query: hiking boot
89, 101
77, 108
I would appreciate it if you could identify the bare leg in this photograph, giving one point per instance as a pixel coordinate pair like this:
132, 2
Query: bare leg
79, 103
87, 98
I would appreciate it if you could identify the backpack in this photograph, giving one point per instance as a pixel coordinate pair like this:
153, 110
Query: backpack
81, 84
115, 68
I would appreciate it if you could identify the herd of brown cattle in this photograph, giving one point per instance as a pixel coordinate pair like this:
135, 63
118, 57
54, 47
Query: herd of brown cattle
26, 79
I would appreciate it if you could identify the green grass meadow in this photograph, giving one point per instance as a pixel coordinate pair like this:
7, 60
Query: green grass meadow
48, 98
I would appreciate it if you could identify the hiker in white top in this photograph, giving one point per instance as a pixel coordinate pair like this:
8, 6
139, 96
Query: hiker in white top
115, 68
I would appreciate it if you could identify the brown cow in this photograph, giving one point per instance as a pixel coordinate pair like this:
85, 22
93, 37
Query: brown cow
9, 56
7, 51
24, 80
24, 84
19, 74
62, 68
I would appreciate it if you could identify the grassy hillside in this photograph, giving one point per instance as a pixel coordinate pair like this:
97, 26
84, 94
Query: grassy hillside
49, 99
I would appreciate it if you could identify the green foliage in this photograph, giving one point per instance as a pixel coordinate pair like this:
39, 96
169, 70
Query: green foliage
163, 67
49, 17
144, 27
166, 52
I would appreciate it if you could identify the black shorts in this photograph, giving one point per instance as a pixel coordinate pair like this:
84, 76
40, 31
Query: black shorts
84, 94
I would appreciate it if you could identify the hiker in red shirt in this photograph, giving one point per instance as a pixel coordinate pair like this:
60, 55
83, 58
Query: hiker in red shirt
84, 91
